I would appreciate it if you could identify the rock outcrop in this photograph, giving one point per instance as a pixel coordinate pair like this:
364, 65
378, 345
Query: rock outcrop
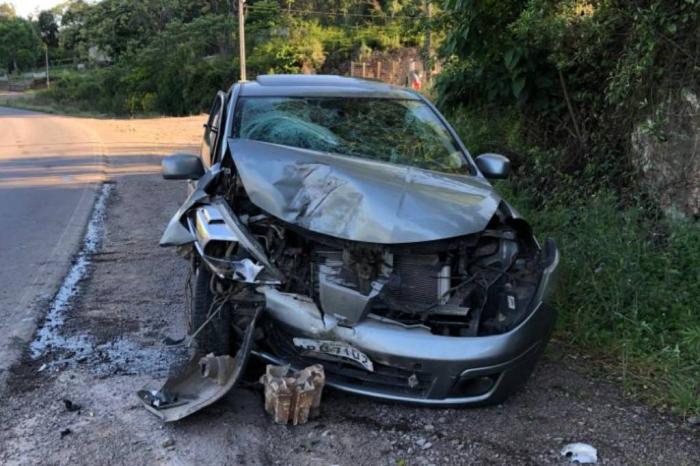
666, 149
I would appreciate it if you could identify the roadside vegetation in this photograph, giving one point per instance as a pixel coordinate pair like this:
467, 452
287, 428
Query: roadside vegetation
559, 86
141, 56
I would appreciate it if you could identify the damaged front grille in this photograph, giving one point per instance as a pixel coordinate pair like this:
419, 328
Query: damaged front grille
473, 286
384, 378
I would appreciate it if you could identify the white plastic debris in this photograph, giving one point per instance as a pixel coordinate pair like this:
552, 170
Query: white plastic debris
581, 453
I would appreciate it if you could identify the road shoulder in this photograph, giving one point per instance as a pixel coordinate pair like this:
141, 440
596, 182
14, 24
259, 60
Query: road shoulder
133, 300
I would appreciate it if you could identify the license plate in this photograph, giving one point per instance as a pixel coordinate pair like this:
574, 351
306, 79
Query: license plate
335, 348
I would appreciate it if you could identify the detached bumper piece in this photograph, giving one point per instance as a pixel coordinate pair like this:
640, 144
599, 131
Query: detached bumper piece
203, 381
293, 397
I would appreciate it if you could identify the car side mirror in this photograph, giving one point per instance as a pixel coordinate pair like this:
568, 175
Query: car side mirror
494, 166
181, 167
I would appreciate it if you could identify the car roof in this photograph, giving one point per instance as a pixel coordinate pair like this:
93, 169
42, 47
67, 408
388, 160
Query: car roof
301, 85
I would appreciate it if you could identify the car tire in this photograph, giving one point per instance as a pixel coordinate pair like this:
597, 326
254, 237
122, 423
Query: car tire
215, 337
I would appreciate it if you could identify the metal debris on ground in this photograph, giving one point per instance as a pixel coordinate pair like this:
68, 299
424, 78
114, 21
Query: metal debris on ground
204, 380
70, 406
169, 341
293, 396
581, 453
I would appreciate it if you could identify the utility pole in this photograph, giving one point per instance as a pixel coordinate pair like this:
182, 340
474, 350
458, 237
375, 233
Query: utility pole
241, 38
428, 45
46, 52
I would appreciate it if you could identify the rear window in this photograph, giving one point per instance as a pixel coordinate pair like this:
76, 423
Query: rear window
405, 132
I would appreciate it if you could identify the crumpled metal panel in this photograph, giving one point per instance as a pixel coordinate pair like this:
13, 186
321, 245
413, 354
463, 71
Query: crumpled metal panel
204, 380
216, 221
348, 305
361, 200
176, 233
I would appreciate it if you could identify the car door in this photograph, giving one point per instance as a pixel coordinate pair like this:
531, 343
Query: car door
213, 130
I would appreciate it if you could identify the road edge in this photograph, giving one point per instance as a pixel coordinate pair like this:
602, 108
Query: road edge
52, 273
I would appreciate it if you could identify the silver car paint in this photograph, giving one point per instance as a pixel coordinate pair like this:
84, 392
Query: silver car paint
361, 200
176, 233
301, 312
208, 224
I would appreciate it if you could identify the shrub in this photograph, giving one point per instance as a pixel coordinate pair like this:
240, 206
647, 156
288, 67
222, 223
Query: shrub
629, 288
579, 74
628, 282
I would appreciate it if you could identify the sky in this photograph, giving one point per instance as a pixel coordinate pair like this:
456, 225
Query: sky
25, 8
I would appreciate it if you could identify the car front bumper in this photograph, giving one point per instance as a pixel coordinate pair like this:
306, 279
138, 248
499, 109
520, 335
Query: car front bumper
412, 364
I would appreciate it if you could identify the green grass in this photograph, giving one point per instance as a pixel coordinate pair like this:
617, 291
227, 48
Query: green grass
628, 290
30, 102
36, 101
628, 284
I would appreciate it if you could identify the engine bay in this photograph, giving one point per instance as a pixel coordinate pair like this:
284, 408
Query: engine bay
475, 285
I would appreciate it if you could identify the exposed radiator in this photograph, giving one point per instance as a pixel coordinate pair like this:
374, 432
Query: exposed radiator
415, 278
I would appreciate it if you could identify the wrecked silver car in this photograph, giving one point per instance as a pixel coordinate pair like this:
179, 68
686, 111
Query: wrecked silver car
347, 223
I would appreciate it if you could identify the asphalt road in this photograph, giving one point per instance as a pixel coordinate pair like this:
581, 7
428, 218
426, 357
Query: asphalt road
49, 169
113, 340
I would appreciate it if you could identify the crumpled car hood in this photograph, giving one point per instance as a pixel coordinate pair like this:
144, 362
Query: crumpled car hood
361, 200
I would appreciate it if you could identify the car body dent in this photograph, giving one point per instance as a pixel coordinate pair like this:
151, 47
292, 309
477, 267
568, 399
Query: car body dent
177, 233
361, 200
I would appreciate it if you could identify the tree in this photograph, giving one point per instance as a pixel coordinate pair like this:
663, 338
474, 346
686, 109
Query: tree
48, 28
72, 37
7, 10
20, 46
115, 26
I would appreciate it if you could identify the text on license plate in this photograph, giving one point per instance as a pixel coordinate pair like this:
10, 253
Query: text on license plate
335, 348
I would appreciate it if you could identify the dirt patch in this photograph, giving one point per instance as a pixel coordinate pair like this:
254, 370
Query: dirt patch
133, 299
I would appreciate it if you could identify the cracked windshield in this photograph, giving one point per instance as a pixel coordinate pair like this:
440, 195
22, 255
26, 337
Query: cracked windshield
399, 131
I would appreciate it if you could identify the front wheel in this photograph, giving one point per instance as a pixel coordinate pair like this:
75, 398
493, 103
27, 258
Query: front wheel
215, 337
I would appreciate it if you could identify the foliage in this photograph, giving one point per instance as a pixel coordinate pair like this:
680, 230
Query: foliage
20, 47
292, 49
629, 288
628, 281
579, 74
167, 76
73, 37
117, 26
170, 56
7, 10
48, 28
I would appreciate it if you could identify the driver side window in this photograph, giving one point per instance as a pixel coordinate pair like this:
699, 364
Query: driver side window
212, 130
214, 122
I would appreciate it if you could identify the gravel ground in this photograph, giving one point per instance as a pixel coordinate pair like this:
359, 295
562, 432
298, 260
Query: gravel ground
112, 344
